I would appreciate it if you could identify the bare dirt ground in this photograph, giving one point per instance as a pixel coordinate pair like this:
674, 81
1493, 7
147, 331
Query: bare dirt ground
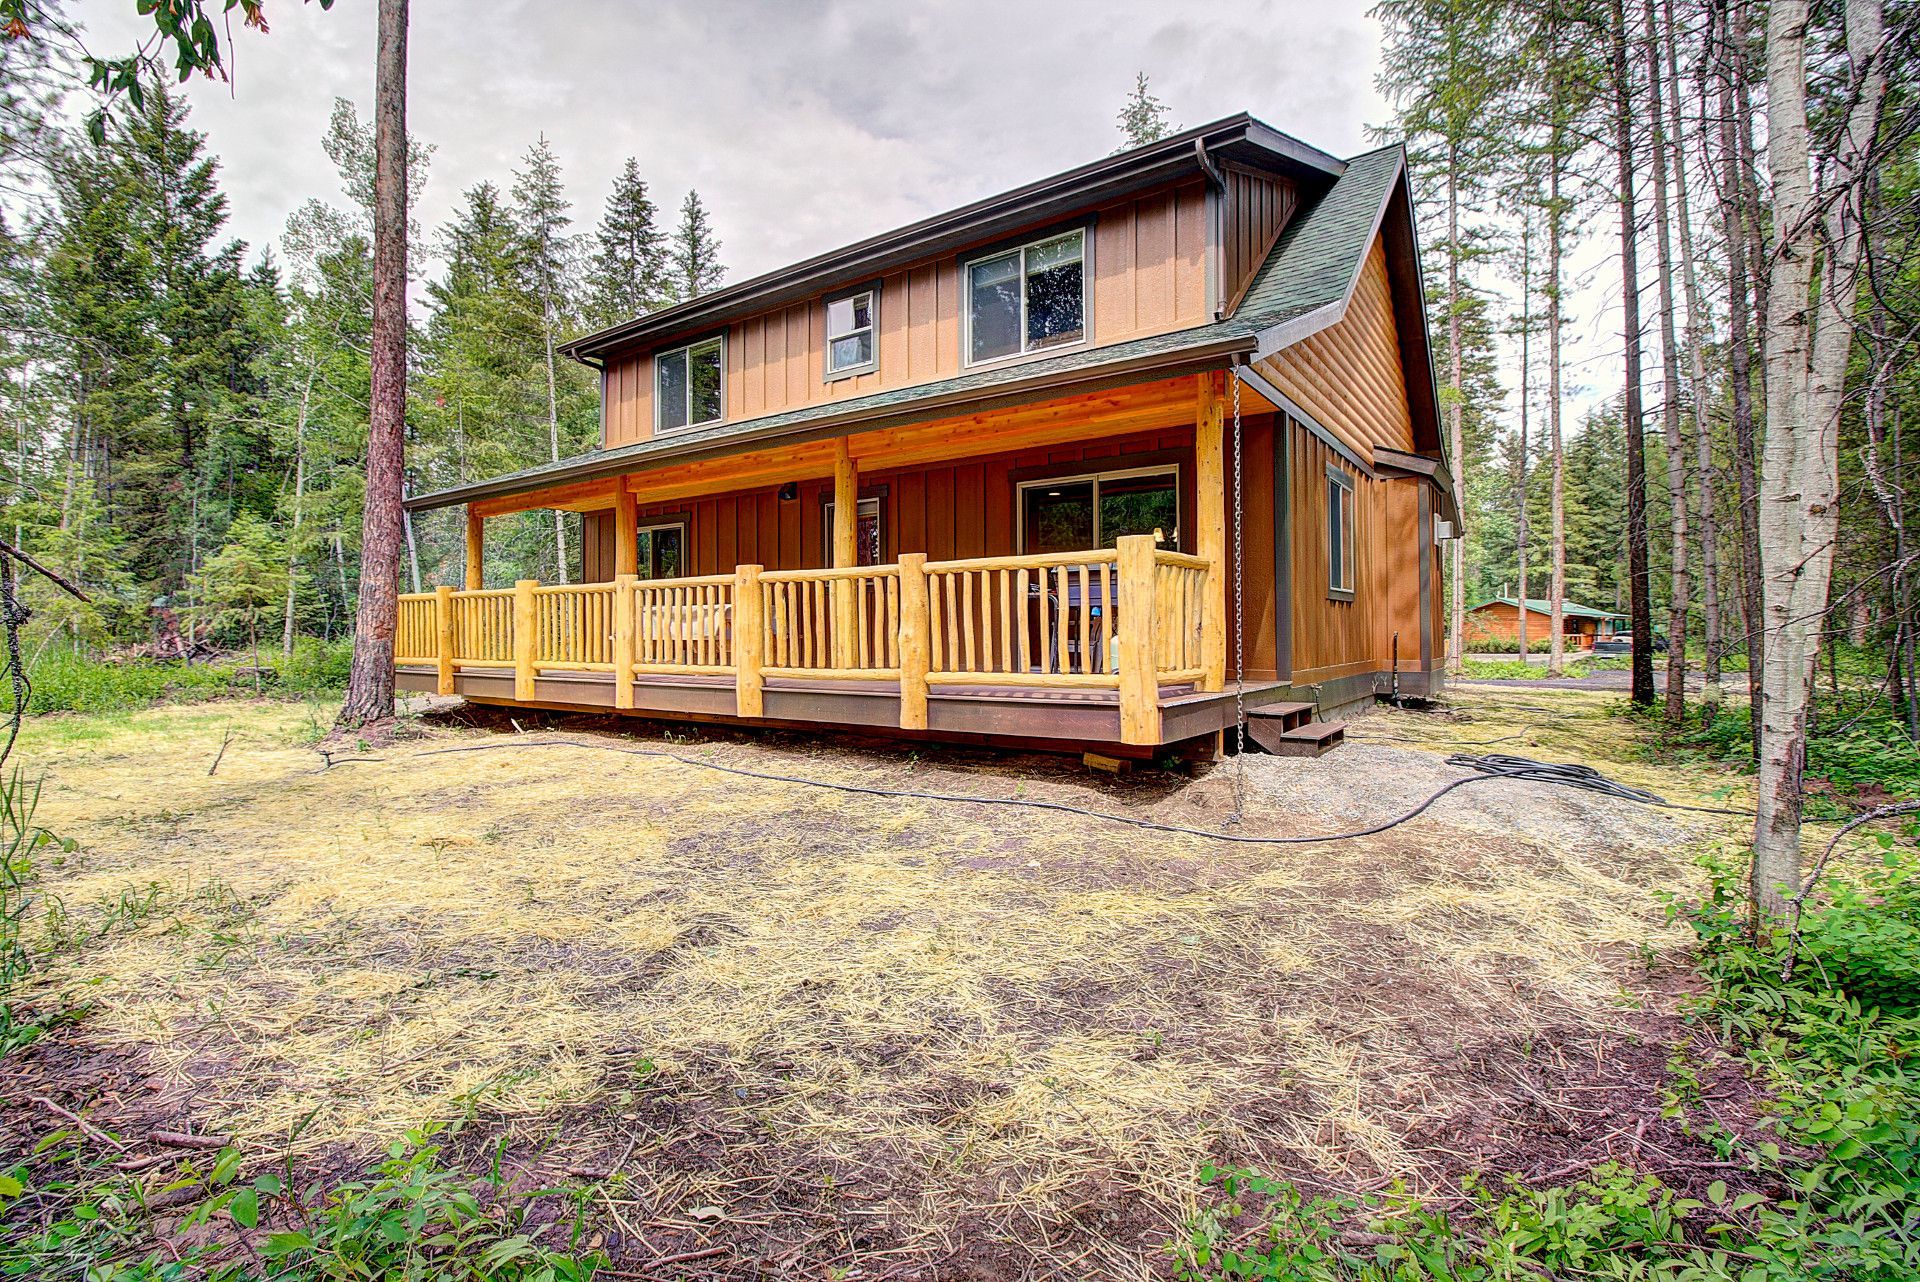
784, 1030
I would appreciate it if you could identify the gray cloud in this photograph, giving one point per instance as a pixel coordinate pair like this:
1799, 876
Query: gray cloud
803, 125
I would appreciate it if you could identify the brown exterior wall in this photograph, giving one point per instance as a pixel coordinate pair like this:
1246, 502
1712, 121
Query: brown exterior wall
1333, 637
1147, 270
1348, 376
955, 510
1255, 207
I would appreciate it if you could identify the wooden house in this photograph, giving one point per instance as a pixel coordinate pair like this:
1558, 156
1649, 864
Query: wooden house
1091, 462
1499, 620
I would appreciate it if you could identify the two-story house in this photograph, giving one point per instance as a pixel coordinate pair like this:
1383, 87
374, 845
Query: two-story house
1091, 462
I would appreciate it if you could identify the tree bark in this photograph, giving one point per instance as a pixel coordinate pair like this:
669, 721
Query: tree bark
1639, 602
1694, 340
1456, 441
299, 502
1556, 229
370, 680
1526, 388
1809, 336
1680, 594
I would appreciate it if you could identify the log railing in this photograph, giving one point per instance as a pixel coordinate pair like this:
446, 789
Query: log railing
1129, 619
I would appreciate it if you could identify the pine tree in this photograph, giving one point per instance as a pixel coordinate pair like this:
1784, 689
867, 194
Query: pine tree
626, 274
694, 256
1142, 118
540, 207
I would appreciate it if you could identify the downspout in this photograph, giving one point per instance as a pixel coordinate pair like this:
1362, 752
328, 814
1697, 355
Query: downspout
1217, 229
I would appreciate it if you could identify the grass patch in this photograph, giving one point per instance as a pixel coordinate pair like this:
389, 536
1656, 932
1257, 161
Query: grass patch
70, 681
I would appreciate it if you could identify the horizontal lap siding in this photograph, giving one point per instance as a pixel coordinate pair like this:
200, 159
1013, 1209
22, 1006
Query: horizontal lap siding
1147, 274
1348, 376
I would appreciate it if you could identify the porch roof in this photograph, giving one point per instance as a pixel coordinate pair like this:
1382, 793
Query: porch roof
1302, 286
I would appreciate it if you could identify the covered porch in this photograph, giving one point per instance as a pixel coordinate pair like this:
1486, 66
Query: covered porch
846, 620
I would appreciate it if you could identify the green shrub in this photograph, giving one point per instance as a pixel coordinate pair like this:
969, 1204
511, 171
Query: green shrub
1511, 645
1866, 940
69, 681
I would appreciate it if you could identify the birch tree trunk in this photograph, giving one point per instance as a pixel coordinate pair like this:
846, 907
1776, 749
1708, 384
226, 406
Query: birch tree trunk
1809, 335
1680, 595
370, 680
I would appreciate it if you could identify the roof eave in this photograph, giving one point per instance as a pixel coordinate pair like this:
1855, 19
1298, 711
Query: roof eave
1211, 355
1107, 178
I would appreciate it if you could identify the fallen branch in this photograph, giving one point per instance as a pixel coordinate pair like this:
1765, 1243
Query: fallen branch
86, 1127
180, 1139
223, 752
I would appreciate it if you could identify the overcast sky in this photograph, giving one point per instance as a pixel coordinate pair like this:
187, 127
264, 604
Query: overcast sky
805, 124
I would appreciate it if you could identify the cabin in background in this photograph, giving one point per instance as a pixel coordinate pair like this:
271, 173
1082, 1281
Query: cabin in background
1088, 463
1499, 620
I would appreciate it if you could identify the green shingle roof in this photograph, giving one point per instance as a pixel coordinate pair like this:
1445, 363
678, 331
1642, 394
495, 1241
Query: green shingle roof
1311, 266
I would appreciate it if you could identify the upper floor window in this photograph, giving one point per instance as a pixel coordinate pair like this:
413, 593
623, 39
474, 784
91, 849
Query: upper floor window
850, 347
1339, 534
1027, 299
686, 386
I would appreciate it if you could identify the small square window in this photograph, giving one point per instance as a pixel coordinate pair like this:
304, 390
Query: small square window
850, 339
686, 385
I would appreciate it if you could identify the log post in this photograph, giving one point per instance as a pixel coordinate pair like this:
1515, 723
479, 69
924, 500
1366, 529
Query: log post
1210, 533
443, 625
623, 639
1139, 690
916, 627
626, 530
749, 642
476, 550
846, 554
526, 626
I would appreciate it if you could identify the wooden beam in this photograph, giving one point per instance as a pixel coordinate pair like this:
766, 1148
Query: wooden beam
443, 644
916, 627
846, 524
623, 638
476, 550
525, 629
749, 641
579, 496
1139, 690
1210, 527
626, 533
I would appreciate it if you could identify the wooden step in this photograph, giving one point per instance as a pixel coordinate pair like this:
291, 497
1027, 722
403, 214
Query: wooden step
1289, 715
1311, 739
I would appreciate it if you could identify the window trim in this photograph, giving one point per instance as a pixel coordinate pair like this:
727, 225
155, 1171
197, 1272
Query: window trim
872, 363
659, 353
876, 497
1336, 591
1171, 468
1083, 229
678, 522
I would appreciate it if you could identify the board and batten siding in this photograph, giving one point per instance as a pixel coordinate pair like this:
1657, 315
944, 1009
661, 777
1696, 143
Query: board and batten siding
1255, 207
1147, 275
1348, 375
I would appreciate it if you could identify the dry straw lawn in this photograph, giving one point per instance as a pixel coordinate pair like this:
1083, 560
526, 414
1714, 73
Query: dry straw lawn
1000, 1039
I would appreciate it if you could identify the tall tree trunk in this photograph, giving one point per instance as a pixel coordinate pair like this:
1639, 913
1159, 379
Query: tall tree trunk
553, 444
1677, 504
1740, 373
1810, 334
370, 680
299, 504
1456, 437
1694, 339
1526, 390
1556, 229
1639, 602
